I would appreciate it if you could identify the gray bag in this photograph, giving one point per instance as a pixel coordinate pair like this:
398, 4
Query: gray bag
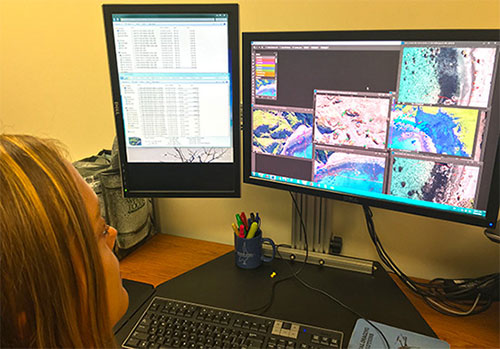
132, 217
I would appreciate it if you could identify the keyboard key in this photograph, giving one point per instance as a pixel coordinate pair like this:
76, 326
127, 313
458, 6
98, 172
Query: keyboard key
132, 342
145, 322
140, 335
240, 340
142, 328
253, 343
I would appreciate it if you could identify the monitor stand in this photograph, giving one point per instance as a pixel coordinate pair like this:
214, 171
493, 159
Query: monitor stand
317, 218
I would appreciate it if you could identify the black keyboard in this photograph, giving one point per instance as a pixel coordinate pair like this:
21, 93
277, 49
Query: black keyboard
169, 323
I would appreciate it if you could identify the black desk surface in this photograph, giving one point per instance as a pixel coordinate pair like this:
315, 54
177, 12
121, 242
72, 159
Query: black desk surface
138, 294
220, 283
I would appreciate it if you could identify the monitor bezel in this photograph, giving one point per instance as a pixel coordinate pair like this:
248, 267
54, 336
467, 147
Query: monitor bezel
365, 35
221, 179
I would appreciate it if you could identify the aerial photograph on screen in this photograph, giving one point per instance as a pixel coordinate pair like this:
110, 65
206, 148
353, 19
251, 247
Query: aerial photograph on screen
351, 120
265, 88
281, 132
443, 183
440, 130
349, 171
447, 75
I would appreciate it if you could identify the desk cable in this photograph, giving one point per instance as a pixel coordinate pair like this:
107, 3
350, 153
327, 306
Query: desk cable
450, 297
295, 274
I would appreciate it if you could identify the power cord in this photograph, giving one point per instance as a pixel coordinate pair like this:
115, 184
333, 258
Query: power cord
262, 309
447, 296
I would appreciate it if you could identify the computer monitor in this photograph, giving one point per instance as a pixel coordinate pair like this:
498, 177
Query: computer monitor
403, 120
175, 84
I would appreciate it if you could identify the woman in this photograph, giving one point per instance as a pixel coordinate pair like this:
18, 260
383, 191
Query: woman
60, 281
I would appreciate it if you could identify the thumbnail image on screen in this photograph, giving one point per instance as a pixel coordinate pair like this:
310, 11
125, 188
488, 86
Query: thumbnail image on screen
351, 120
282, 132
440, 182
265, 87
459, 76
439, 130
349, 171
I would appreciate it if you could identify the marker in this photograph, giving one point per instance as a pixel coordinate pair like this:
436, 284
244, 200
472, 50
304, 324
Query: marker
238, 220
252, 230
244, 220
235, 228
242, 231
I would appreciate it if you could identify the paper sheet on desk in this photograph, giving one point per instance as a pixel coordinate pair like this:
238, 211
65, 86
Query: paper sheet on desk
364, 336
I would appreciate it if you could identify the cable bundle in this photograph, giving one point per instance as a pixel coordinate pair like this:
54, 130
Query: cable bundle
450, 297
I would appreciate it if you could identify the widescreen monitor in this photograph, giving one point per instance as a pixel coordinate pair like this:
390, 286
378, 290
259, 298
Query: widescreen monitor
175, 83
403, 120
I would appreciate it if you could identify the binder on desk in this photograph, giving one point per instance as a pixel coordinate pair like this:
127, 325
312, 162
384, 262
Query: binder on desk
365, 336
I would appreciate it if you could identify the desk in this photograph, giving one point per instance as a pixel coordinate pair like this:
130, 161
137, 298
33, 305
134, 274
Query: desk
165, 257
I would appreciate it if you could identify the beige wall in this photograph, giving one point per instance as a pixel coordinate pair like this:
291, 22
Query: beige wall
54, 82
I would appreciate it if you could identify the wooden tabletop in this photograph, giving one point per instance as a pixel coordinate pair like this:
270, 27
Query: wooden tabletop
165, 257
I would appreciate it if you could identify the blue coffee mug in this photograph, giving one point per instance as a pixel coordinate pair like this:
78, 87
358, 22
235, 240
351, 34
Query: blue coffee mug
248, 252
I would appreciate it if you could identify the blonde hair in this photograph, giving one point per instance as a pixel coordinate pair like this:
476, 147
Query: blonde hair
52, 281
